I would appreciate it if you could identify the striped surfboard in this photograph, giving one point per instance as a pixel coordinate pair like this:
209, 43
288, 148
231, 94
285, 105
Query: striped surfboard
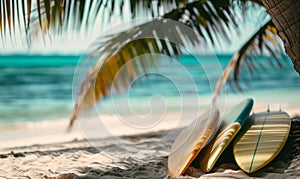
261, 143
233, 120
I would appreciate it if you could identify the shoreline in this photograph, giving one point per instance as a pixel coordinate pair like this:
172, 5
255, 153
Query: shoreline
47, 131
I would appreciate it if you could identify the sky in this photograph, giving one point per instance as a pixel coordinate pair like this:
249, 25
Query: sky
72, 43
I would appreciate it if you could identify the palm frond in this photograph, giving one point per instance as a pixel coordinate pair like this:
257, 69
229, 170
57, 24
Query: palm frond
40, 16
152, 8
74, 14
111, 54
62, 15
10, 13
32, 17
208, 18
264, 43
205, 18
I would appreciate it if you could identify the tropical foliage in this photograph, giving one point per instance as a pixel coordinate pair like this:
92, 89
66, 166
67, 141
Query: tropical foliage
209, 20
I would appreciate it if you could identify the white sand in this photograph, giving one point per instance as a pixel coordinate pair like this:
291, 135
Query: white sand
46, 149
146, 157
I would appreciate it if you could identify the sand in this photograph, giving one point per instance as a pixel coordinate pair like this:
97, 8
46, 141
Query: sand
145, 157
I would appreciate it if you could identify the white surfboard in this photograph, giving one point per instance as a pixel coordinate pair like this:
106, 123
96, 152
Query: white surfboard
191, 141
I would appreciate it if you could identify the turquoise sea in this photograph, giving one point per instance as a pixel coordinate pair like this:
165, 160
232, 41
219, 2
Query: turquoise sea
35, 88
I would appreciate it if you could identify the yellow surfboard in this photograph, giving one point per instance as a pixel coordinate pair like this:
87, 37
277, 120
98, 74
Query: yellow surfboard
232, 123
190, 141
262, 142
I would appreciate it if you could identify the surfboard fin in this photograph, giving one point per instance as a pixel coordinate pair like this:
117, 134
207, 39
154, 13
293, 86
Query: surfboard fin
280, 107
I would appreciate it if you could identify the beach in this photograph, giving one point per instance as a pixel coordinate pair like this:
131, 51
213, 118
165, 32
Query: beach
146, 159
125, 89
122, 143
47, 150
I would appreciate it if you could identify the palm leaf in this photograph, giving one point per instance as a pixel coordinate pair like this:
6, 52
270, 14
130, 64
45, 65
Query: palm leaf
264, 43
66, 14
40, 16
36, 16
208, 19
14, 14
113, 53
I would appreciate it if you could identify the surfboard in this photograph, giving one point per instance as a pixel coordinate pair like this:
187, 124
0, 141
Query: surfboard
233, 120
191, 141
261, 143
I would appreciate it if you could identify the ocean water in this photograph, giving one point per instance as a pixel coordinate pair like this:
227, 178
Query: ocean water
36, 88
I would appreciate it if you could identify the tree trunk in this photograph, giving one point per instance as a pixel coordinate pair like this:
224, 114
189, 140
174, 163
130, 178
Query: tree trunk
286, 17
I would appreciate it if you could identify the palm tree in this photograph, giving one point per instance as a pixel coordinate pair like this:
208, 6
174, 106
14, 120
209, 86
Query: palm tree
209, 19
285, 16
